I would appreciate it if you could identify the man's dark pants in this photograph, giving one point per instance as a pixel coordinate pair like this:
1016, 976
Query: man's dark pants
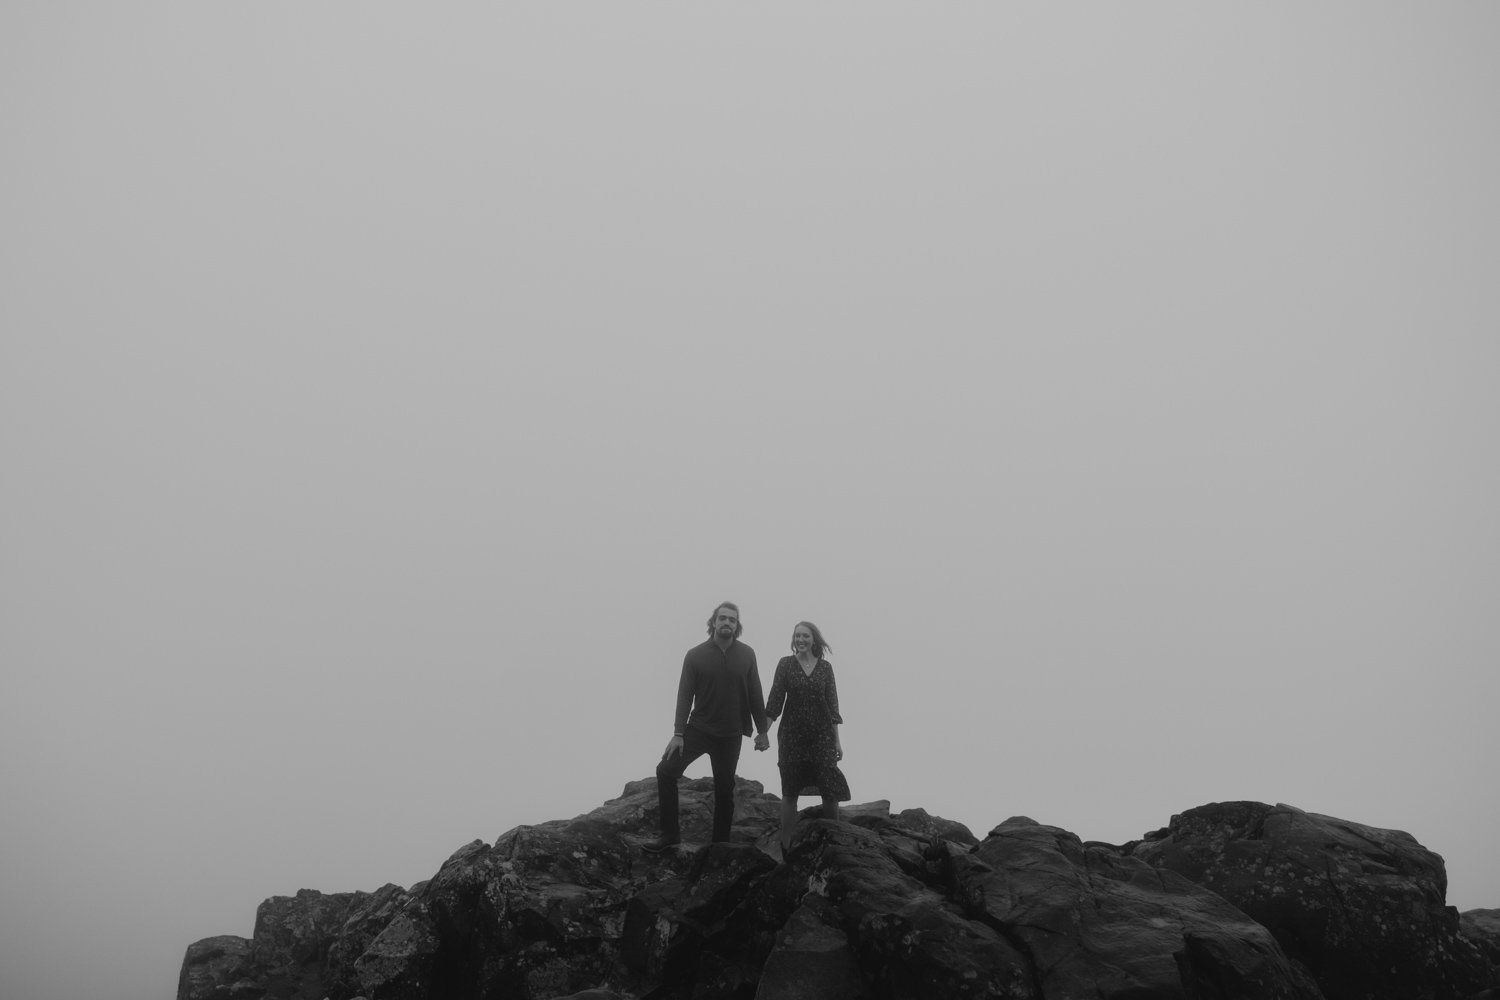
724, 755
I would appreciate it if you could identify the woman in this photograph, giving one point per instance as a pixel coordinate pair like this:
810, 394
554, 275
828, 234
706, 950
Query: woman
807, 743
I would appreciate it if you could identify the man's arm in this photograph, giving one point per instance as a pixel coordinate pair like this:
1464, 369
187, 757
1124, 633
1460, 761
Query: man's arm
684, 705
758, 708
685, 690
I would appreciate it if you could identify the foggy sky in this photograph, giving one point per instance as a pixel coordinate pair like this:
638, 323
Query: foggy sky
388, 394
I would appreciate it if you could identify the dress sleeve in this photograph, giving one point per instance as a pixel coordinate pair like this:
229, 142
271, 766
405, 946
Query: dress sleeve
832, 696
777, 697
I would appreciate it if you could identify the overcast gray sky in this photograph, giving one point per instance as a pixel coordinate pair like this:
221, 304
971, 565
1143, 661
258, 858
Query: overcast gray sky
388, 394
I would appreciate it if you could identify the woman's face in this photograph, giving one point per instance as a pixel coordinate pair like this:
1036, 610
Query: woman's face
801, 639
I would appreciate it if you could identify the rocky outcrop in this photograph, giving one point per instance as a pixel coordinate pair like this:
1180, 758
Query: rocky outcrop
219, 968
1028, 912
1362, 908
877, 905
1482, 928
1097, 922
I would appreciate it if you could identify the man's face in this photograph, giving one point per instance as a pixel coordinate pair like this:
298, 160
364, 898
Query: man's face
726, 621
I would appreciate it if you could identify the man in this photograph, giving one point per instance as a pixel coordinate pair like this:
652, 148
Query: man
718, 697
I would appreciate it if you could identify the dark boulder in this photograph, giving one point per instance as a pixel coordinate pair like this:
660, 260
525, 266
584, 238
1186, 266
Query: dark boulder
295, 935
1095, 922
1361, 907
219, 968
1482, 929
543, 913
906, 934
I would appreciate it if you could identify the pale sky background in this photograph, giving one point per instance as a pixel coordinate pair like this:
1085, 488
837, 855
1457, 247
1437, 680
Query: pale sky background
388, 394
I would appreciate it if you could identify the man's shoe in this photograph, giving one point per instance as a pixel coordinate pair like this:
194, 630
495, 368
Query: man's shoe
660, 846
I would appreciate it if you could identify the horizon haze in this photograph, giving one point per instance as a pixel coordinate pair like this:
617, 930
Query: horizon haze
388, 395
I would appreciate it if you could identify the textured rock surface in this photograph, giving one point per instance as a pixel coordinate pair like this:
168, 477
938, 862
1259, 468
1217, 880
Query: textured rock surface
218, 968
1482, 928
1099, 923
1361, 907
877, 906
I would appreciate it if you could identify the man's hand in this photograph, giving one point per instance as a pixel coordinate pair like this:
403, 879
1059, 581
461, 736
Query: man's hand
674, 747
762, 741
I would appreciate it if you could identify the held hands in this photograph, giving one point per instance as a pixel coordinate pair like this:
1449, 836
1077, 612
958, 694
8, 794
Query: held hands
674, 745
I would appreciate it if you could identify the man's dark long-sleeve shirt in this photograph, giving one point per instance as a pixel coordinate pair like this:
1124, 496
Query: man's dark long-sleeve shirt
722, 690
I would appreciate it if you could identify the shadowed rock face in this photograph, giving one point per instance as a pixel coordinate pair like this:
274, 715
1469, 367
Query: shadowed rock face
1361, 907
1482, 928
1098, 923
873, 906
218, 968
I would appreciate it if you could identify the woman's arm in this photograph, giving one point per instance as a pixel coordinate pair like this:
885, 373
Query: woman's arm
777, 697
831, 695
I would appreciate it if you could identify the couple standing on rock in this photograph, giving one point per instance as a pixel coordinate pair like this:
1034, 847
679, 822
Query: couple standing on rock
719, 696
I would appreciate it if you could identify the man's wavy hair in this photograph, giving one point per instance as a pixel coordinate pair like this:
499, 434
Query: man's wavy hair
739, 627
819, 646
